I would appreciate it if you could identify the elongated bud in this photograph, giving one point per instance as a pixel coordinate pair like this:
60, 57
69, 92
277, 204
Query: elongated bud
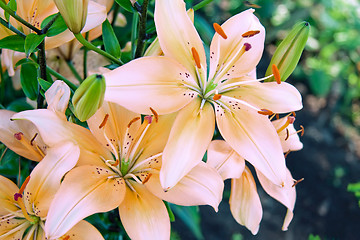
89, 97
288, 53
74, 13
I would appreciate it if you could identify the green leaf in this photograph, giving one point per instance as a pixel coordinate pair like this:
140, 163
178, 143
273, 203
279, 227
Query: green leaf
45, 85
29, 82
31, 42
191, 217
125, 4
13, 6
26, 61
13, 42
56, 28
111, 43
19, 105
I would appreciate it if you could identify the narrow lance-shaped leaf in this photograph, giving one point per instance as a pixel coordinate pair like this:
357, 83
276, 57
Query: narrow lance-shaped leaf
13, 42
13, 6
32, 41
288, 53
125, 4
111, 43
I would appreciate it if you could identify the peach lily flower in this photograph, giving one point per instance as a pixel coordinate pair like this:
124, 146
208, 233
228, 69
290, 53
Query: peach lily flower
179, 82
122, 171
35, 11
244, 200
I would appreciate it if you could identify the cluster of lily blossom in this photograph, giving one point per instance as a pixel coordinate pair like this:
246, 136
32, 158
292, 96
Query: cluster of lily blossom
146, 143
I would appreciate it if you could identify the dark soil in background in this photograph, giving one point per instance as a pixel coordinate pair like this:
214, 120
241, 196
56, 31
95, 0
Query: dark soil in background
328, 163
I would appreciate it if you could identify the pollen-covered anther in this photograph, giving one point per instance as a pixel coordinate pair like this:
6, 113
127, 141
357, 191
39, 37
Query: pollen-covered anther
156, 115
196, 57
219, 30
265, 112
18, 135
250, 33
104, 121
297, 181
115, 163
287, 134
147, 178
67, 237
302, 130
247, 46
217, 97
132, 121
33, 139
287, 153
276, 73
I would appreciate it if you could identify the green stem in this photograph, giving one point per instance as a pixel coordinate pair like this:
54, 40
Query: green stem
142, 29
73, 70
115, 13
85, 57
2, 85
201, 4
11, 28
88, 45
46, 28
18, 18
42, 65
133, 32
61, 77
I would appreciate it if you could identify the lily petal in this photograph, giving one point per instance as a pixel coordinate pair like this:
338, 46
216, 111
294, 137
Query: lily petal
177, 34
7, 191
279, 98
189, 137
146, 82
143, 215
201, 186
46, 176
245, 203
254, 138
285, 195
289, 138
225, 160
57, 97
14, 228
85, 190
226, 57
84, 231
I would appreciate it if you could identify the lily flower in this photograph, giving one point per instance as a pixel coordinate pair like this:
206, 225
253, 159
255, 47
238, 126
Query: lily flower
121, 171
244, 200
179, 82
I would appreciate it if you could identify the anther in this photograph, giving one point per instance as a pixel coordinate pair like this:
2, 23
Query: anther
265, 112
286, 154
302, 130
32, 140
217, 97
116, 163
293, 113
247, 46
147, 178
287, 134
196, 57
219, 30
297, 181
250, 33
104, 121
132, 121
276, 73
156, 115
277, 116
67, 237
18, 135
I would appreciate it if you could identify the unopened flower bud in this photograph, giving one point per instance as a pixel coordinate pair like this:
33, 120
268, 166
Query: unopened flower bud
288, 53
89, 97
74, 13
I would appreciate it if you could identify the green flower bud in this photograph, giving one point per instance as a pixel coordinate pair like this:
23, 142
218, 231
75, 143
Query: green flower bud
74, 13
288, 53
89, 97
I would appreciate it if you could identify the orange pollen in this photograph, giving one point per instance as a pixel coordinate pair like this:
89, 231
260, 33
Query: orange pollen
196, 57
277, 116
276, 73
115, 163
219, 30
132, 121
67, 237
147, 178
287, 134
156, 115
32, 140
250, 33
293, 113
253, 5
217, 97
265, 112
302, 130
104, 121
297, 181
287, 153
18, 135
24, 185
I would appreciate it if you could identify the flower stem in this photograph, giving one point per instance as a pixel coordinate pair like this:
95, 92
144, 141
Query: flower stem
18, 18
42, 64
73, 70
11, 28
201, 4
142, 29
85, 57
46, 28
88, 45
61, 77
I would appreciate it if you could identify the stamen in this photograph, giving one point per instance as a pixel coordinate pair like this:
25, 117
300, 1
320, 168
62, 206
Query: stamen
302, 130
247, 46
116, 163
277, 116
293, 113
286, 154
67, 237
297, 181
132, 121
18, 198
249, 4
156, 115
290, 120
22, 188
104, 121
276, 73
32, 140
196, 57
219, 30
287, 134
217, 97
147, 178
265, 112
18, 135
250, 33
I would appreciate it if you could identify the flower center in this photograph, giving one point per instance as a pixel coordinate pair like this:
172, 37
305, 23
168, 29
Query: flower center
31, 145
